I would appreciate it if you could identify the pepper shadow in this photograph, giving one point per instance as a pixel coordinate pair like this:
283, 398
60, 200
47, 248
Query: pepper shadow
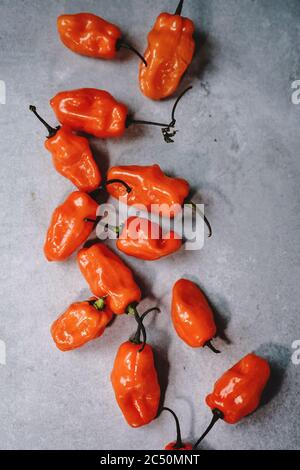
197, 195
222, 317
90, 242
135, 131
278, 357
190, 436
161, 360
139, 277
101, 155
205, 51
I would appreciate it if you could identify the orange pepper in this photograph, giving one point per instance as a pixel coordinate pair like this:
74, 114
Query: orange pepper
169, 53
192, 315
98, 113
144, 239
238, 391
134, 380
72, 156
178, 444
90, 35
107, 275
80, 323
89, 110
69, 228
149, 185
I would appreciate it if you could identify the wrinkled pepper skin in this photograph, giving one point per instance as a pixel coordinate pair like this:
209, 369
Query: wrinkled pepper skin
89, 110
89, 35
192, 316
237, 393
73, 159
149, 185
135, 383
67, 229
142, 239
79, 324
107, 275
172, 446
169, 53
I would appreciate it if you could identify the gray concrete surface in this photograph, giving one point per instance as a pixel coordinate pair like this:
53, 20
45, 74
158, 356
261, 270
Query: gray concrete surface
238, 146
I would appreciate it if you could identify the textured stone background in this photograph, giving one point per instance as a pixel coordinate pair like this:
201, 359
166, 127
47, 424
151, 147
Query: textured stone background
238, 146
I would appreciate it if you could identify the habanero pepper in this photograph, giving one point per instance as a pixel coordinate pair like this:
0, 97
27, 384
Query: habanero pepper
149, 186
152, 188
71, 156
98, 113
170, 51
90, 35
238, 391
143, 239
134, 379
81, 323
178, 444
69, 228
107, 275
192, 315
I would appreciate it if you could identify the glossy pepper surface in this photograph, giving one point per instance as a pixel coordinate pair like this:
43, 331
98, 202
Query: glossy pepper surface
107, 275
72, 156
68, 228
80, 323
149, 185
237, 393
192, 316
135, 383
144, 239
169, 53
89, 110
89, 35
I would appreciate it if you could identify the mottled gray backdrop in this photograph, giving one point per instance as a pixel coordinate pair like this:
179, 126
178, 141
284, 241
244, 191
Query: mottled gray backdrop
238, 146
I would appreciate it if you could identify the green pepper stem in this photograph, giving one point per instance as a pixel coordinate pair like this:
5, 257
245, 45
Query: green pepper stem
179, 444
195, 208
99, 304
217, 414
211, 347
52, 130
179, 8
121, 43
